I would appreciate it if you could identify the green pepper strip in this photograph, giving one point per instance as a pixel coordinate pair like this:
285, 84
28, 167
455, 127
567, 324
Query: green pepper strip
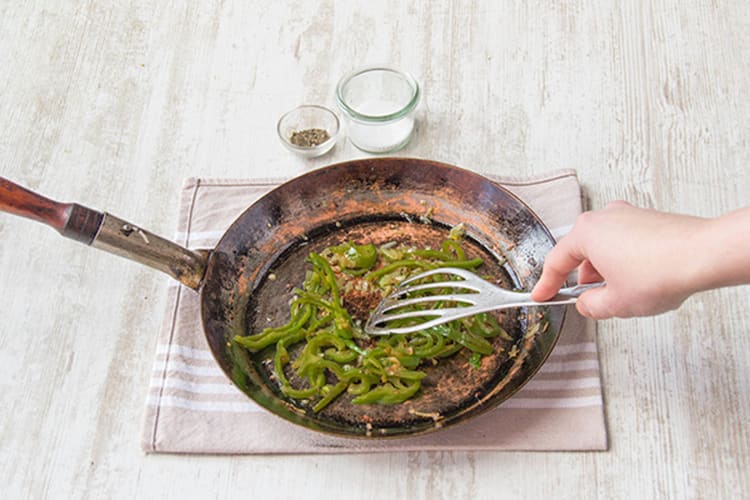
340, 357
306, 297
397, 265
351, 256
343, 321
270, 336
281, 358
332, 394
365, 381
434, 254
388, 394
436, 345
455, 247
355, 272
465, 338
464, 264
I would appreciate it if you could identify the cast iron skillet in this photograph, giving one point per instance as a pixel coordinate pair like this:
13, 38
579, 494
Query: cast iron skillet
372, 200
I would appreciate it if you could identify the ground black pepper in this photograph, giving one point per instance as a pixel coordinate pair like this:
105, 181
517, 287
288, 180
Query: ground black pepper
309, 138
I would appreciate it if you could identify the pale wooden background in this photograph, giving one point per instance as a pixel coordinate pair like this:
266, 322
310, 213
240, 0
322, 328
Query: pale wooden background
113, 104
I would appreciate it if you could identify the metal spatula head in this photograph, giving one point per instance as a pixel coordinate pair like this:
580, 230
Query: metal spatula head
446, 294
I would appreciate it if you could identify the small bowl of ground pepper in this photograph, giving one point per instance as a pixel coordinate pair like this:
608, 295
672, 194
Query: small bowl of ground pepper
309, 130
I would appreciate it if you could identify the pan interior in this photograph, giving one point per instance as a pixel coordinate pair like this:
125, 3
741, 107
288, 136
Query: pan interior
450, 387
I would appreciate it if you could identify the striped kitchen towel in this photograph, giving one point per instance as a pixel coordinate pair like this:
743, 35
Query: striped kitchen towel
193, 408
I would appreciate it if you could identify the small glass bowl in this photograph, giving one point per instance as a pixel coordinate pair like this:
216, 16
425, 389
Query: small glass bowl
378, 106
304, 119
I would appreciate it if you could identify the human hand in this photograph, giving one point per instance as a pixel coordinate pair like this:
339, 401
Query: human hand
650, 260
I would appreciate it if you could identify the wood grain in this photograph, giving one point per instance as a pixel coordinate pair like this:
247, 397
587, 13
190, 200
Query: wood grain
114, 104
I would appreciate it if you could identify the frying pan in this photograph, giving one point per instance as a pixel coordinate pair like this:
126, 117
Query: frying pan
246, 281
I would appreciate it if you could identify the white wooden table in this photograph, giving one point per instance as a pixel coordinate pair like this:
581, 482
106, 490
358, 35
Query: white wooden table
113, 104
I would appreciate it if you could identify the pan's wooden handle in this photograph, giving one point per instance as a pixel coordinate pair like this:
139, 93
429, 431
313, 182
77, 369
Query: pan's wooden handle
104, 231
69, 219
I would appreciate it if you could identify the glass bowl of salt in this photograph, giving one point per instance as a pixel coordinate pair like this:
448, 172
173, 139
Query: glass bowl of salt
378, 106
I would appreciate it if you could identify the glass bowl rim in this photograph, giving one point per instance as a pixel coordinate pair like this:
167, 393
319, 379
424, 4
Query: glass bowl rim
307, 149
405, 110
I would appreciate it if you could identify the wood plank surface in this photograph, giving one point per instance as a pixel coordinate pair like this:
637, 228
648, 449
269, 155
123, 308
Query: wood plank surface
113, 104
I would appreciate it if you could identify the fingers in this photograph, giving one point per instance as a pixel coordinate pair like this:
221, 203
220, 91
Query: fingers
617, 203
595, 304
587, 273
570, 253
558, 265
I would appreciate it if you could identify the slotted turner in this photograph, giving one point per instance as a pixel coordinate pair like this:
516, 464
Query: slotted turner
473, 295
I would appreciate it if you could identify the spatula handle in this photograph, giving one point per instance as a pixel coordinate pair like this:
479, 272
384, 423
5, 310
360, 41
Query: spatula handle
576, 291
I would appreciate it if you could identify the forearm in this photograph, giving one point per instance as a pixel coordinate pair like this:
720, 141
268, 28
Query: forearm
725, 255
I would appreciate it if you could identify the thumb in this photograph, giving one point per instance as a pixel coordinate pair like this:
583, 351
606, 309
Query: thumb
596, 303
